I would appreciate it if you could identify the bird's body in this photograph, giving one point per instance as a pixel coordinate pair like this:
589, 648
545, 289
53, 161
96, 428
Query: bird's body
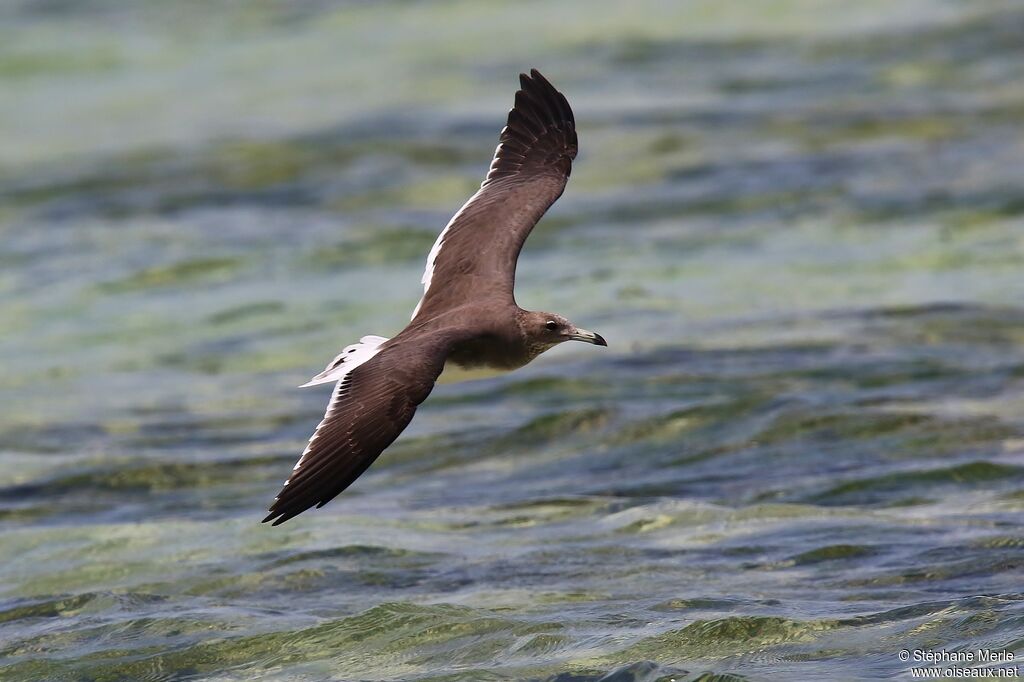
496, 345
467, 318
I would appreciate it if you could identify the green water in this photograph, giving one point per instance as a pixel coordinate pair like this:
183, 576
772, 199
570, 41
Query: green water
799, 224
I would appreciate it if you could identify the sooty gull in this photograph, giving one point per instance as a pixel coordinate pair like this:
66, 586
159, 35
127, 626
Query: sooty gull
467, 316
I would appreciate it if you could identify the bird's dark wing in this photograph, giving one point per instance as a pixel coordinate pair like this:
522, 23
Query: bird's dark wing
370, 406
476, 253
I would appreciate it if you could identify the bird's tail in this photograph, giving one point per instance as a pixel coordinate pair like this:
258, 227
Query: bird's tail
348, 359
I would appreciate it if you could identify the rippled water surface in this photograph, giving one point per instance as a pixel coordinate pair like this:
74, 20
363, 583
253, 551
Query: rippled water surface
799, 224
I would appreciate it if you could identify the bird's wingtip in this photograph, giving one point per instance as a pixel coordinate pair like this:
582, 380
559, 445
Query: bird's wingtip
275, 518
526, 77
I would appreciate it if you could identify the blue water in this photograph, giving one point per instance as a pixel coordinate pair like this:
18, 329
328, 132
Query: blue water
800, 226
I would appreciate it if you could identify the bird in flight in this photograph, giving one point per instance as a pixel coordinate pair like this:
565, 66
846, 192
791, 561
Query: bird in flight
468, 315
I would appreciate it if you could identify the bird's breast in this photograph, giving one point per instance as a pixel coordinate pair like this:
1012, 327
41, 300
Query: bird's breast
484, 357
454, 373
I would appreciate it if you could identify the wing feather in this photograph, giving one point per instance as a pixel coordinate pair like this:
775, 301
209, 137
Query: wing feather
369, 408
476, 253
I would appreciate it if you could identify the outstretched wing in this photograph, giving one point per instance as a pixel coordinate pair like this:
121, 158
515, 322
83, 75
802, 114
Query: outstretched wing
371, 405
476, 252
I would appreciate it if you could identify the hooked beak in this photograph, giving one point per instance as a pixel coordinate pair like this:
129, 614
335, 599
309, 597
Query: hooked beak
588, 337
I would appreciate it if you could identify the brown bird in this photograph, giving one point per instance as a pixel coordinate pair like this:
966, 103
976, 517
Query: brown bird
467, 316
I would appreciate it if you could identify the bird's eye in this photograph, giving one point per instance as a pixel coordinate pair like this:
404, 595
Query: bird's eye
551, 325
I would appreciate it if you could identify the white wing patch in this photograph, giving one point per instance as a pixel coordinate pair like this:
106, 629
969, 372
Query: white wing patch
339, 391
428, 272
348, 359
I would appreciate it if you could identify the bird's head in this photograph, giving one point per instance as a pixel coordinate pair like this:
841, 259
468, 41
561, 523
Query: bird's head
549, 329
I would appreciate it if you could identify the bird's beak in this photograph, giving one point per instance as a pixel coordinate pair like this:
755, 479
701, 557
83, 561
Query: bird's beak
588, 337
